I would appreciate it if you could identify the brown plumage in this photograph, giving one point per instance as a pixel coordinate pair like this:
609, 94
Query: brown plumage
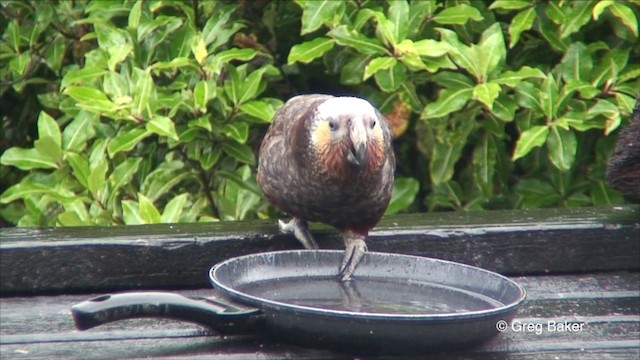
329, 159
623, 171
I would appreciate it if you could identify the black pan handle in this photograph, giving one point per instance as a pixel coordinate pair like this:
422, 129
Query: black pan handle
222, 317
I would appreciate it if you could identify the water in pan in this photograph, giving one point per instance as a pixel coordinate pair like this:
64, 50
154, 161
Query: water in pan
371, 295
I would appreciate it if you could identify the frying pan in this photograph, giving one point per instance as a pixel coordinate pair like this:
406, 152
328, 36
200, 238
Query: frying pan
394, 304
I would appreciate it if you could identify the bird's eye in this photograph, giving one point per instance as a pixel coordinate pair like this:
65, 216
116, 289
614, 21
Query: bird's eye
373, 124
333, 125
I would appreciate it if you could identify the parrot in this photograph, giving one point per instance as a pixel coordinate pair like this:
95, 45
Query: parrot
328, 159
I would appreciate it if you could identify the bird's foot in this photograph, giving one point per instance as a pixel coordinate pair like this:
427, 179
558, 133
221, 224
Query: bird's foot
355, 250
300, 229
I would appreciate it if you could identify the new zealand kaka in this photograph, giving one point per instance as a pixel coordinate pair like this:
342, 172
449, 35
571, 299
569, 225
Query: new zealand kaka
329, 159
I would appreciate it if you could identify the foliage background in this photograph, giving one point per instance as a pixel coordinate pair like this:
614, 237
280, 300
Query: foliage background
129, 112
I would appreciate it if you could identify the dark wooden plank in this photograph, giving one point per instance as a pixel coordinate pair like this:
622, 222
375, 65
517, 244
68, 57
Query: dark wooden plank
179, 255
608, 306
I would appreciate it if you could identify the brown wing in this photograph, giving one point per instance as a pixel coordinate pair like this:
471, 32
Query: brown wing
283, 151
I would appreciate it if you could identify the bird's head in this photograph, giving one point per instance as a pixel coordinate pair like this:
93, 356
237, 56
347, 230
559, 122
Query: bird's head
347, 133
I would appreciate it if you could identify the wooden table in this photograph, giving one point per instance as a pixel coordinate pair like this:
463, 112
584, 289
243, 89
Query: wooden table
579, 267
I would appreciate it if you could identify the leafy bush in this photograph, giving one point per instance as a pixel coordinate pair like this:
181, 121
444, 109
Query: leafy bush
146, 112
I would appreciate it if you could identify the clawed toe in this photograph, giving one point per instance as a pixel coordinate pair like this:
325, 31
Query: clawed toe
355, 250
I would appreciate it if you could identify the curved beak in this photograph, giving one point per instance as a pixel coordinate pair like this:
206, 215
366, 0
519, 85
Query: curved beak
358, 143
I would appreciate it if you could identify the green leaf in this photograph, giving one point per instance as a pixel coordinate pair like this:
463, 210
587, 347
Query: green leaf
201, 122
391, 79
458, 15
226, 56
116, 86
135, 15
536, 193
126, 140
82, 76
576, 63
431, 48
85, 94
130, 213
484, 164
513, 78
550, 33
486, 93
178, 62
418, 11
610, 66
353, 70
449, 100
233, 85
377, 64
586, 89
578, 121
23, 190
533, 137
201, 96
199, 49
237, 130
367, 46
47, 147
450, 79
240, 152
520, 23
317, 13
48, 127
258, 109
509, 4
385, 30
308, 51
550, 97
143, 85
163, 126
578, 16
147, 211
447, 149
562, 145
600, 7
56, 54
398, 15
468, 58
504, 108
602, 195
403, 194
117, 54
122, 174
610, 111
163, 178
79, 166
173, 209
626, 15
491, 50
529, 96
251, 84
240, 182
27, 159
80, 130
97, 178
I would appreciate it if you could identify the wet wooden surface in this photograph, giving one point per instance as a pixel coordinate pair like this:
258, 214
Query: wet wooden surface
179, 255
579, 266
606, 304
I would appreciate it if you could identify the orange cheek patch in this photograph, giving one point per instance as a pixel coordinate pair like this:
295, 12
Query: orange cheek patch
321, 136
